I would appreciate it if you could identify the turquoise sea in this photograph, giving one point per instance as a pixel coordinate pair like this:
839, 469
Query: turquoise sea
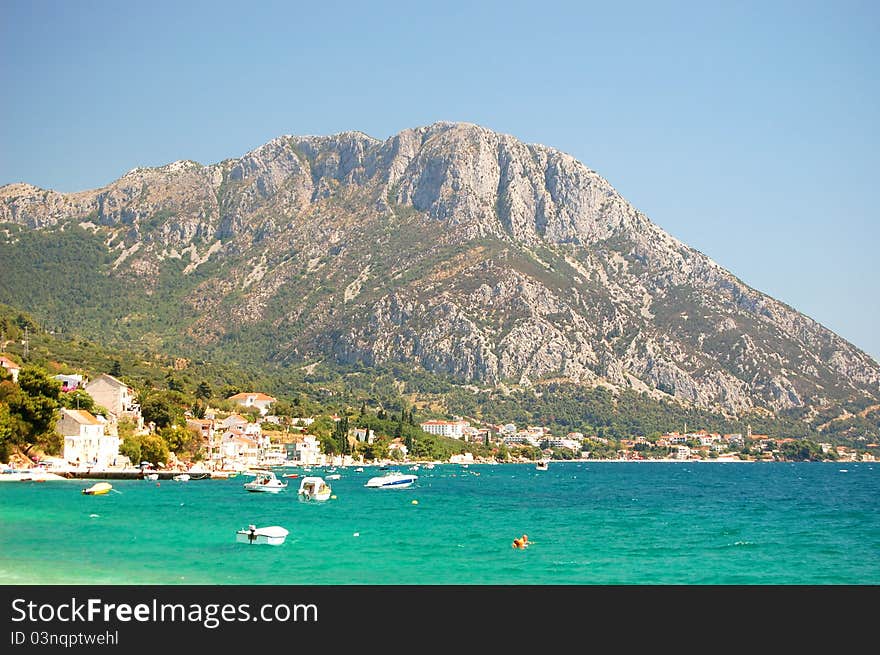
640, 523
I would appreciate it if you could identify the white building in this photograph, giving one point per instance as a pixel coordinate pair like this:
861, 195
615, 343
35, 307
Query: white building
307, 451
556, 442
454, 429
259, 401
364, 435
682, 452
522, 438
70, 382
85, 442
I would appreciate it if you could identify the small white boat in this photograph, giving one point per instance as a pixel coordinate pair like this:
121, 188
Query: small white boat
314, 488
98, 489
392, 480
334, 476
415, 467
151, 476
429, 466
267, 482
274, 535
181, 477
542, 465
359, 469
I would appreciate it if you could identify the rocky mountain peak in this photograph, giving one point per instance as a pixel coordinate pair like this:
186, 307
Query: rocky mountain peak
453, 247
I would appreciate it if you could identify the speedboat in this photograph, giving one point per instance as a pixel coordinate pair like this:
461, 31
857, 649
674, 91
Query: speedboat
151, 476
266, 481
274, 535
334, 476
314, 488
98, 489
392, 480
543, 465
181, 477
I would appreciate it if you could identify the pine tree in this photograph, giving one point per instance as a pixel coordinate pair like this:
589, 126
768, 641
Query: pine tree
204, 390
116, 368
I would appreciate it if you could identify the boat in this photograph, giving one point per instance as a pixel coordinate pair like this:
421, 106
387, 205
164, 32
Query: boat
542, 465
267, 482
181, 477
151, 476
392, 480
334, 476
314, 488
359, 469
273, 535
291, 475
415, 467
98, 489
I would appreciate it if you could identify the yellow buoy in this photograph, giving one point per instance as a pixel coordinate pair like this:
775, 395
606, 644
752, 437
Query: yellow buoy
415, 502
333, 497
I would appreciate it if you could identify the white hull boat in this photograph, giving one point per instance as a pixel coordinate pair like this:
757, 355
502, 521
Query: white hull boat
274, 535
265, 481
314, 488
393, 480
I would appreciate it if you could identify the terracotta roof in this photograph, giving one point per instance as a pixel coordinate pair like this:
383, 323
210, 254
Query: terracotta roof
8, 363
255, 396
82, 416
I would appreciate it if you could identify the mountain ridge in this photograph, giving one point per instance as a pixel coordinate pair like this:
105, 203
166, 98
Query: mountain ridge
451, 246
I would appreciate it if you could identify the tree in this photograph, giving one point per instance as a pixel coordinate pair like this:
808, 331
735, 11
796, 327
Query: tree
204, 391
173, 383
198, 409
181, 440
78, 399
409, 442
160, 408
340, 436
116, 368
32, 409
154, 449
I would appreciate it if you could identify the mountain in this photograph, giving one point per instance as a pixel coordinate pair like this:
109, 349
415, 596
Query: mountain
448, 247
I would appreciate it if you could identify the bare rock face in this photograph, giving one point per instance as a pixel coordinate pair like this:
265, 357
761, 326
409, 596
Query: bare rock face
457, 248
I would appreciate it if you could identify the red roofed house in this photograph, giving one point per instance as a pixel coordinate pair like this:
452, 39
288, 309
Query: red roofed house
10, 366
259, 400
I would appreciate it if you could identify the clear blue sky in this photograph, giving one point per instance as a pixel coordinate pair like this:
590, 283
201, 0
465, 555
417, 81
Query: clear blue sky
749, 130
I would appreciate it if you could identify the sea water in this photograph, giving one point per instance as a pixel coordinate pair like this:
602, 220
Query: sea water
639, 523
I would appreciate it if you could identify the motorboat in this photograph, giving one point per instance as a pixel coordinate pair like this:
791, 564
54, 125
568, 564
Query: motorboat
98, 489
334, 476
151, 476
273, 535
392, 480
359, 469
542, 465
314, 488
181, 477
267, 482
414, 467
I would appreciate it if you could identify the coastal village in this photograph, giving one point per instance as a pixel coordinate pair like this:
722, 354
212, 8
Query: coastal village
252, 436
